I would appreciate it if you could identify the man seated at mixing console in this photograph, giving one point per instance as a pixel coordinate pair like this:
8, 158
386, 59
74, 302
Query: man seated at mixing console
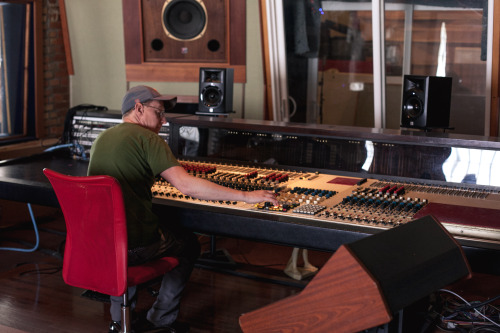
135, 154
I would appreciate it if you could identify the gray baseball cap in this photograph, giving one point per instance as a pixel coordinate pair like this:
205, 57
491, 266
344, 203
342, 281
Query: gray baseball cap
144, 94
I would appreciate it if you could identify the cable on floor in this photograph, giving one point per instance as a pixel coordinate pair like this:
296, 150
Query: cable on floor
37, 243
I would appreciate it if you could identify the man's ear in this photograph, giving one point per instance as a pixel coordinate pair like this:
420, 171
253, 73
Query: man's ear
139, 107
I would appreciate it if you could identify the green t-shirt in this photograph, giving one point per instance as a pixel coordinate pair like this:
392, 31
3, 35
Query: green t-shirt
134, 156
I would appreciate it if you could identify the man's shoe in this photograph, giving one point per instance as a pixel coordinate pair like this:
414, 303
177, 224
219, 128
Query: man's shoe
115, 327
145, 326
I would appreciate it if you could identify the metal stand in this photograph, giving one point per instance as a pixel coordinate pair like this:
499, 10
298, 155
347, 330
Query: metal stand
216, 257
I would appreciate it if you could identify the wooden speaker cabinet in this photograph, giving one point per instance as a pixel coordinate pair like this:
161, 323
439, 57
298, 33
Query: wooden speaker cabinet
170, 40
365, 282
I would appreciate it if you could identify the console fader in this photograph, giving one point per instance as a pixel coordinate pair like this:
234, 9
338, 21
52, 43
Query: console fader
349, 202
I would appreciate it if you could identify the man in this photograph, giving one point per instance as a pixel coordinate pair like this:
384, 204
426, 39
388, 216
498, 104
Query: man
134, 154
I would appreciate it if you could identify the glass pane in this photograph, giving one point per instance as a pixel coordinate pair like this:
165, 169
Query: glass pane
445, 38
16, 68
421, 159
302, 21
345, 71
330, 59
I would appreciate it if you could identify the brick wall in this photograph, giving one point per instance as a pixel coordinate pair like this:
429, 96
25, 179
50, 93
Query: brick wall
56, 78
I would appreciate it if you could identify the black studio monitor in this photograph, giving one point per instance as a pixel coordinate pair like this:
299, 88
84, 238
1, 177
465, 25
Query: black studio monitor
426, 102
216, 91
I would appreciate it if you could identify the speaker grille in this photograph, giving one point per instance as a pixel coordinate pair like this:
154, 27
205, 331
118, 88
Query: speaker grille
184, 19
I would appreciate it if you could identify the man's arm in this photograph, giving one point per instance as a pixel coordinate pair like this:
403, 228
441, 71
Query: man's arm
206, 190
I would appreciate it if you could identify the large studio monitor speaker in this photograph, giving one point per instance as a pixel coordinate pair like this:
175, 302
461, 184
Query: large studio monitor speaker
169, 40
216, 90
179, 30
366, 282
426, 102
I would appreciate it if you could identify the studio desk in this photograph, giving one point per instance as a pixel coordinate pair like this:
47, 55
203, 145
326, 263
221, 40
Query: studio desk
335, 184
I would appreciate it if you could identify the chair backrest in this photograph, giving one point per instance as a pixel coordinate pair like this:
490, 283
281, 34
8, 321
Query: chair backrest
95, 255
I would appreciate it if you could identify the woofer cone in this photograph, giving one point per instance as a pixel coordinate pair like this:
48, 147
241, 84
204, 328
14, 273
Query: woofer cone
413, 106
184, 19
211, 96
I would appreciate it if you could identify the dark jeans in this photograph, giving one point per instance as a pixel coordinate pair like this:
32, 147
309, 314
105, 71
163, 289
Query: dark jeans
176, 242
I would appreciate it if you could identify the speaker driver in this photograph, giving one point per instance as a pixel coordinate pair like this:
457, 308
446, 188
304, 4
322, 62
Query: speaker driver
211, 96
413, 106
184, 19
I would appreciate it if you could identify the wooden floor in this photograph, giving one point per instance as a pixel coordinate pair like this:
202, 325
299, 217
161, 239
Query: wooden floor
34, 298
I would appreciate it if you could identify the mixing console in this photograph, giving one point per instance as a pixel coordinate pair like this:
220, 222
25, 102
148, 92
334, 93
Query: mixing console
349, 203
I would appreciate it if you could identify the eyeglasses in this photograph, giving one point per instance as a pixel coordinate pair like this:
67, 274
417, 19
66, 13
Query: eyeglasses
159, 112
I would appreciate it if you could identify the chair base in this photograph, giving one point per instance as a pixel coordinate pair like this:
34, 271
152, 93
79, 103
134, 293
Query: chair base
126, 327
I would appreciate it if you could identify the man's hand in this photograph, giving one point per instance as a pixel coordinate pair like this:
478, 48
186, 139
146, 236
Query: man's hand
261, 196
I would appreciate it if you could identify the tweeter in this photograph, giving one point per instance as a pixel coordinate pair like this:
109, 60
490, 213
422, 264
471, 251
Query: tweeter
426, 102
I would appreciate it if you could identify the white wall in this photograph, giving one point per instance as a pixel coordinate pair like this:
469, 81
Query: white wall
97, 46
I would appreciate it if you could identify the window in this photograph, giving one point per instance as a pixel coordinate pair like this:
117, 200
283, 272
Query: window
20, 67
345, 61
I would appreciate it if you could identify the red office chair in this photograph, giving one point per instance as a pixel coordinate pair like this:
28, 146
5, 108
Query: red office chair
95, 255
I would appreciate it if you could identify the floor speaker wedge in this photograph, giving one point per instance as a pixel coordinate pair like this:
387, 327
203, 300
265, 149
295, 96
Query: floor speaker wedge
412, 260
366, 282
426, 102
